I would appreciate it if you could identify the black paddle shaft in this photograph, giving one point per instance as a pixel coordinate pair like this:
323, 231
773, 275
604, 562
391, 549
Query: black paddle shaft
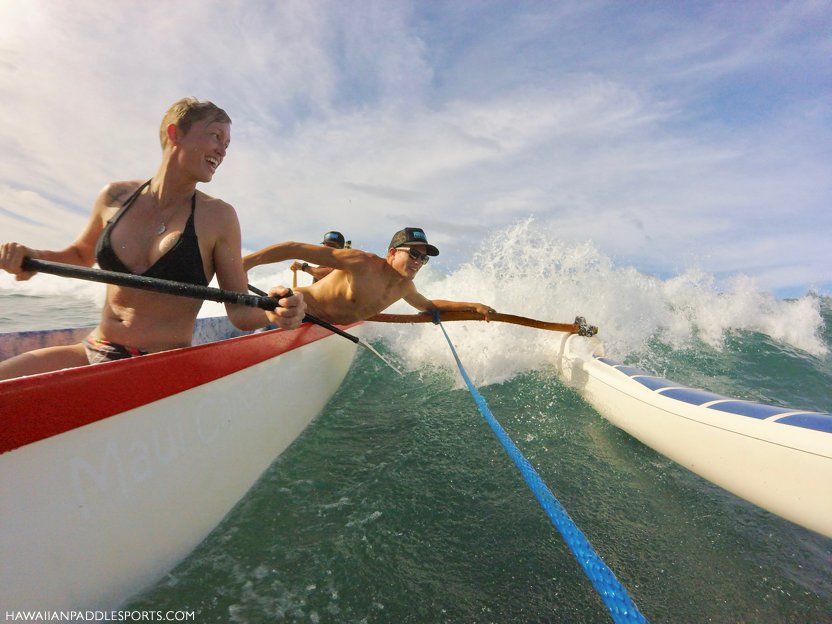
169, 287
154, 284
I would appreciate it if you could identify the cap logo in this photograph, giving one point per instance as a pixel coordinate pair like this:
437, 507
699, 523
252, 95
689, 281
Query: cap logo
418, 234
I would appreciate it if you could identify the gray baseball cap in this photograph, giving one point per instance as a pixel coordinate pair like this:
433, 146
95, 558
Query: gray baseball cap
412, 236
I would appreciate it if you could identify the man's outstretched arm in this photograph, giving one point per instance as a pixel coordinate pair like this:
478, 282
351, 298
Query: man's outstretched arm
420, 302
335, 258
268, 255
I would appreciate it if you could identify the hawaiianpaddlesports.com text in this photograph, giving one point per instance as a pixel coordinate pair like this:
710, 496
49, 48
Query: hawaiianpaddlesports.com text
100, 616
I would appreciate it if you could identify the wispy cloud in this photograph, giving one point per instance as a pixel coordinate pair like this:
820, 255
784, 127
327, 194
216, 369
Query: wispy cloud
671, 136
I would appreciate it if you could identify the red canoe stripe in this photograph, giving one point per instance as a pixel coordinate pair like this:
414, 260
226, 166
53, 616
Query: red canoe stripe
41, 406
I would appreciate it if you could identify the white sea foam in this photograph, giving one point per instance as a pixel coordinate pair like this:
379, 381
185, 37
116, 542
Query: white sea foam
524, 270
43, 285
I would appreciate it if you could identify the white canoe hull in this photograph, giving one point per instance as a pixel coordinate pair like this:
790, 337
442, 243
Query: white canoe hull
777, 458
96, 513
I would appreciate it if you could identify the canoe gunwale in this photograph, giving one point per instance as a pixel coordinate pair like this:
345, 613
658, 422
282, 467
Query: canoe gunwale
30, 414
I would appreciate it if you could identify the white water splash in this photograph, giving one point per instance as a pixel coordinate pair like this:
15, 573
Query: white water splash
43, 285
524, 270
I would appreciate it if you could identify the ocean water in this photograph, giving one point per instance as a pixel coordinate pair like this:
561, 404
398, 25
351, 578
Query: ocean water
397, 504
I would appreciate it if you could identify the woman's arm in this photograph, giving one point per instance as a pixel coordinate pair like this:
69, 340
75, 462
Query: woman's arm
81, 252
231, 276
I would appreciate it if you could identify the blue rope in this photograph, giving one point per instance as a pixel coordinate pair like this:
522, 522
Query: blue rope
612, 592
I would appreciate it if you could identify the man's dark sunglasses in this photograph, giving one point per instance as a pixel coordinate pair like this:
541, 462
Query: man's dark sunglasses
416, 255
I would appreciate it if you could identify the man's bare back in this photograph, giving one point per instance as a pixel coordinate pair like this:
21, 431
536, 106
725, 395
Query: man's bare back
362, 284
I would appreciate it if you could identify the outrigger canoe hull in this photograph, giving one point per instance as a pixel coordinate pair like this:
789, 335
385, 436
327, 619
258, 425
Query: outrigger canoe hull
112, 474
778, 458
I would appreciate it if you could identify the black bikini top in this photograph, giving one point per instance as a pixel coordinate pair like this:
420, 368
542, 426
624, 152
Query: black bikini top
180, 263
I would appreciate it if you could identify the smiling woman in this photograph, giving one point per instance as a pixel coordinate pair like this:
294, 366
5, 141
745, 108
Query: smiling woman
161, 228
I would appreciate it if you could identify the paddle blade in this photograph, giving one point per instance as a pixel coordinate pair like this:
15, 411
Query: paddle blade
380, 356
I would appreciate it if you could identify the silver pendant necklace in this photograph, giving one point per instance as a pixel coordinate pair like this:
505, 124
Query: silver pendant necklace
163, 227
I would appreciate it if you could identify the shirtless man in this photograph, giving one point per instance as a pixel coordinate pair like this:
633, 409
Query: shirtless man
161, 228
363, 284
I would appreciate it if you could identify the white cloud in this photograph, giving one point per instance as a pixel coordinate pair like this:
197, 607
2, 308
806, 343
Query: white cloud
668, 136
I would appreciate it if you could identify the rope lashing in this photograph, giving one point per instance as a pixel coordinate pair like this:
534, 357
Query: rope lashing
614, 595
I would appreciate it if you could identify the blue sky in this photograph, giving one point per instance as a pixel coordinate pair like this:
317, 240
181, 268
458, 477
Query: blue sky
671, 135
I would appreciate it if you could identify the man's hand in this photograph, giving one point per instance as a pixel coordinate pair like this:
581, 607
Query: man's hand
11, 260
291, 311
297, 266
485, 310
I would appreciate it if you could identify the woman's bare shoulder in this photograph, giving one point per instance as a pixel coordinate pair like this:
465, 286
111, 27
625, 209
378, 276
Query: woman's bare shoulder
215, 215
118, 192
218, 206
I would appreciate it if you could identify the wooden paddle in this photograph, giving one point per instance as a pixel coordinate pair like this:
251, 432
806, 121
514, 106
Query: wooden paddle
580, 325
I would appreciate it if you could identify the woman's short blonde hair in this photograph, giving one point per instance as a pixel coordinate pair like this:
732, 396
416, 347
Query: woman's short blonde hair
187, 111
